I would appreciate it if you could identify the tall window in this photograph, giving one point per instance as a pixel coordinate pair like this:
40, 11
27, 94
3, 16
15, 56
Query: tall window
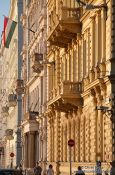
93, 43
64, 68
70, 67
75, 63
99, 38
88, 51
79, 62
84, 58
41, 93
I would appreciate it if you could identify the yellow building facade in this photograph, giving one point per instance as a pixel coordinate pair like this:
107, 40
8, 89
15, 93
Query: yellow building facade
34, 122
79, 82
68, 70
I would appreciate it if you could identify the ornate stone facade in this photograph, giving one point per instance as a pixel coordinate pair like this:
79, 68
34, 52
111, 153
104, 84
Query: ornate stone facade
34, 74
68, 74
10, 104
78, 83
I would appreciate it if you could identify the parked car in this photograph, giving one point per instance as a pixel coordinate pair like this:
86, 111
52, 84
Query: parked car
10, 172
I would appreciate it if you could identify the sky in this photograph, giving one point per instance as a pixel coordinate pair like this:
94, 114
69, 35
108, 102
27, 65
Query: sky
4, 10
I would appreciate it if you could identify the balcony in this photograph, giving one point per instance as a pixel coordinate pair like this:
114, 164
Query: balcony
5, 110
37, 60
66, 97
20, 87
30, 115
12, 99
64, 26
9, 134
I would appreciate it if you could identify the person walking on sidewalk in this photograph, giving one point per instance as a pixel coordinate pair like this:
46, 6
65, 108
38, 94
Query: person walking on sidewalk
80, 171
98, 168
50, 170
37, 169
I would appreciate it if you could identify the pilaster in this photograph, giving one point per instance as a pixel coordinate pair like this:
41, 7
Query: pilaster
99, 124
58, 136
82, 137
93, 127
77, 136
31, 149
25, 139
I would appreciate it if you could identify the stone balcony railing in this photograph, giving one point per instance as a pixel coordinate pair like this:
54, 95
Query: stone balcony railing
66, 89
64, 26
12, 100
67, 92
30, 115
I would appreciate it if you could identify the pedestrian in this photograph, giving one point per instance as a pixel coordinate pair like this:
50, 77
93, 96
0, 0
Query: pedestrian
98, 168
37, 169
80, 171
50, 170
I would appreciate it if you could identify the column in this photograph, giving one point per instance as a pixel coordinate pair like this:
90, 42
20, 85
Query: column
57, 140
82, 138
93, 128
65, 142
31, 149
77, 137
103, 123
49, 139
87, 116
72, 137
99, 125
68, 135
45, 141
58, 136
36, 146
25, 150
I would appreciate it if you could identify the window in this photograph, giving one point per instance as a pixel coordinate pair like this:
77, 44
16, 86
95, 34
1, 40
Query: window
84, 58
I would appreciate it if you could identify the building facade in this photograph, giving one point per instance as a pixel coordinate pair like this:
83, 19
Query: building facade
80, 84
3, 118
10, 100
65, 88
34, 75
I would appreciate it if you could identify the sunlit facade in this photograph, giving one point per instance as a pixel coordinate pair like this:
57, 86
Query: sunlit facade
34, 76
66, 84
10, 104
80, 42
